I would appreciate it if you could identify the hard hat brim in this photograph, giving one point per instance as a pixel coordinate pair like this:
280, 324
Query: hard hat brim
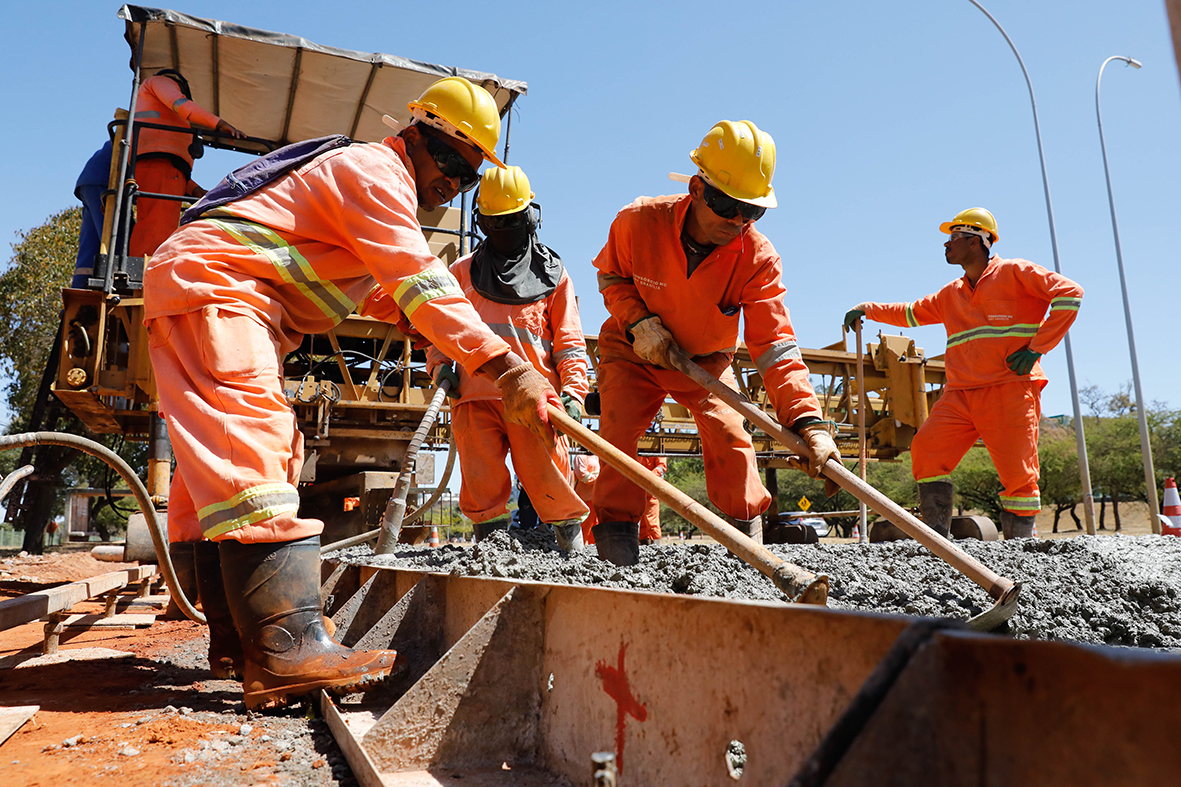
766, 201
445, 127
946, 226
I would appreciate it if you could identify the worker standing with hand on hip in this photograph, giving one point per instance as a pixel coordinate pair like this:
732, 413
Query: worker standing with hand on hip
997, 329
230, 294
682, 271
520, 288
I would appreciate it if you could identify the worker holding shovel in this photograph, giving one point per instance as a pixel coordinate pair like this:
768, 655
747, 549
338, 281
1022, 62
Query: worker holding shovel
997, 328
680, 272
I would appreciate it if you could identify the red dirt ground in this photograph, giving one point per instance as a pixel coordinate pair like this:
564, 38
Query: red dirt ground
154, 718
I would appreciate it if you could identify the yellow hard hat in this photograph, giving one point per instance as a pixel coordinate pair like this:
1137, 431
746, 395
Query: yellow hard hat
503, 191
739, 159
979, 218
461, 109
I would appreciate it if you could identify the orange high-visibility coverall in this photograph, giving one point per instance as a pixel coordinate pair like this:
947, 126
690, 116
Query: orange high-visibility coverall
1004, 313
650, 523
548, 334
163, 163
642, 272
228, 296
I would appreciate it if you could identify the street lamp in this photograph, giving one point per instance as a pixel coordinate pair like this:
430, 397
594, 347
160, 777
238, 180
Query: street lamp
1145, 444
1083, 465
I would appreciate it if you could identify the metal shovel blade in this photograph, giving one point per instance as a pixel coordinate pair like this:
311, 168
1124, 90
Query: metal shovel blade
991, 619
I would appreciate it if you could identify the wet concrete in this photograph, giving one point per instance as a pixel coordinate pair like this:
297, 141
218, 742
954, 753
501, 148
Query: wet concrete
1110, 590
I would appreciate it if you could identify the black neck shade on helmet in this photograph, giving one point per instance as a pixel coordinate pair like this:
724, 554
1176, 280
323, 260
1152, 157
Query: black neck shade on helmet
177, 77
510, 232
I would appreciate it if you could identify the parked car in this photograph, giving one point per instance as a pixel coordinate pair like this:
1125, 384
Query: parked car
815, 522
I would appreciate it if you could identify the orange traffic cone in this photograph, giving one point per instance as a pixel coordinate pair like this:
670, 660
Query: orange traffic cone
433, 539
1170, 522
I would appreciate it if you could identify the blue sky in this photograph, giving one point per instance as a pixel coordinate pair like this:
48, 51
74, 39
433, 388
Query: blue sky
888, 118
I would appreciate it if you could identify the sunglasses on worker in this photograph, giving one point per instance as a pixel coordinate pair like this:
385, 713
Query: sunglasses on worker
727, 207
451, 163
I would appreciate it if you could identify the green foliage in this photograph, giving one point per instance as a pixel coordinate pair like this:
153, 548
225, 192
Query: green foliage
977, 485
30, 304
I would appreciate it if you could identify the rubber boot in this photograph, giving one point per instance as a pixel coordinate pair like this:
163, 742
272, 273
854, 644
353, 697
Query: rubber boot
935, 505
568, 534
274, 592
181, 555
618, 542
1016, 526
748, 527
225, 647
481, 530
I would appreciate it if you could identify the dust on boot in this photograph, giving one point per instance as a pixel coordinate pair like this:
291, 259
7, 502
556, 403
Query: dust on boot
225, 647
935, 501
568, 534
275, 598
1016, 526
618, 542
752, 528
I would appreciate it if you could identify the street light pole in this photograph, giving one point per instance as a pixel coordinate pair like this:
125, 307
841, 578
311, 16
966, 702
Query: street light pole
1141, 413
1083, 465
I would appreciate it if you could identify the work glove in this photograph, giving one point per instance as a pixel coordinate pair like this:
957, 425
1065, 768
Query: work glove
1022, 361
445, 372
818, 436
525, 394
572, 405
651, 341
853, 315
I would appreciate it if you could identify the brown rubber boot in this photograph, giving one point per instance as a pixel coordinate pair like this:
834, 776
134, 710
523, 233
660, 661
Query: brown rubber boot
618, 542
935, 500
748, 527
1016, 526
181, 555
225, 647
275, 597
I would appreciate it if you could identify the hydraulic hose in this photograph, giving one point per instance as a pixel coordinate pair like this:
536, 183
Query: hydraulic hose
159, 538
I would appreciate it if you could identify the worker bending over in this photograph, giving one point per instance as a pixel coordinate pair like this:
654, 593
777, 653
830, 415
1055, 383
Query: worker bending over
164, 158
682, 271
230, 294
520, 288
997, 328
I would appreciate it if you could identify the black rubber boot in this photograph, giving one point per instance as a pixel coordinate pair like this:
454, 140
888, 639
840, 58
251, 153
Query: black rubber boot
748, 527
481, 530
1016, 526
181, 555
568, 535
225, 647
274, 592
935, 498
618, 542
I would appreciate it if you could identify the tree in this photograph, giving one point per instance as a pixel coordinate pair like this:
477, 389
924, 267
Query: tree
977, 484
1060, 484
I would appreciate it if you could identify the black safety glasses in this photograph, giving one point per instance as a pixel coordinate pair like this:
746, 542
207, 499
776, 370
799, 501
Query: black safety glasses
452, 163
727, 207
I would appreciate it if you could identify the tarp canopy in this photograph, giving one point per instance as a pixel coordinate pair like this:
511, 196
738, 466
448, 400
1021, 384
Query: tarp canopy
283, 88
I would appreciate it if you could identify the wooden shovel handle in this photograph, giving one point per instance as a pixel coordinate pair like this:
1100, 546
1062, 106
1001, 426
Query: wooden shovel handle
800, 585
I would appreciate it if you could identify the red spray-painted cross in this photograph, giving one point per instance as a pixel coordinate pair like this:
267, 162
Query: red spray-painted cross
617, 688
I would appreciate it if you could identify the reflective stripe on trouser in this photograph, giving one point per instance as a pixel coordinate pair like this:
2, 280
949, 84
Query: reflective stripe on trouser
483, 437
238, 449
631, 395
155, 219
1006, 417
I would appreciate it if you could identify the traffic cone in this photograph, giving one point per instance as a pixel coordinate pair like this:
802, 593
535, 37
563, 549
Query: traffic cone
1171, 521
433, 539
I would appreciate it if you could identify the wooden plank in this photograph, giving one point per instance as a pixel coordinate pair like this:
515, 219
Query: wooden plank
12, 718
23, 609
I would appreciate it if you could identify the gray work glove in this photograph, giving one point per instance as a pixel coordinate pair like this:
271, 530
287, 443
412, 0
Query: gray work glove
445, 372
572, 405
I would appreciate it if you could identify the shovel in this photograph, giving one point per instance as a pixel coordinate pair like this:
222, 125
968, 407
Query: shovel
1003, 590
801, 586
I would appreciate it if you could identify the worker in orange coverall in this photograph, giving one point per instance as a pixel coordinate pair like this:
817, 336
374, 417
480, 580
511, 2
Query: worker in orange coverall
164, 159
520, 288
228, 295
997, 328
682, 271
650, 522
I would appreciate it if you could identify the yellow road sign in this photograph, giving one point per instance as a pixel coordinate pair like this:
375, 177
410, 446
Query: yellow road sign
804, 503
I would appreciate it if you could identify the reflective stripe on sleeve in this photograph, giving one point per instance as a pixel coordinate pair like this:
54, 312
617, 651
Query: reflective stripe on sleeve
910, 318
425, 286
776, 353
610, 280
247, 507
571, 353
509, 331
291, 266
992, 332
1066, 304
